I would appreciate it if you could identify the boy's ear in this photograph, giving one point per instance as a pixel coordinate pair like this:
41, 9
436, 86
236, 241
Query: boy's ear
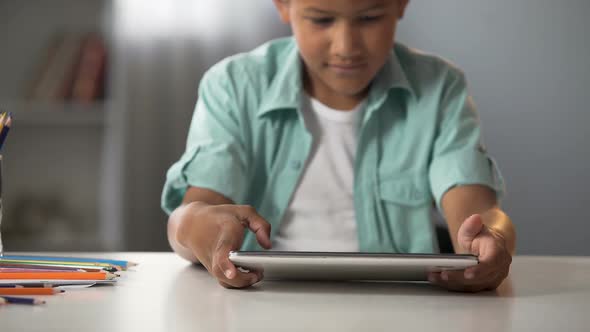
283, 8
403, 4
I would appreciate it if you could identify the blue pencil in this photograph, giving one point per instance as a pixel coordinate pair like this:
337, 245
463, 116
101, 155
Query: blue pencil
5, 129
3, 135
121, 263
21, 300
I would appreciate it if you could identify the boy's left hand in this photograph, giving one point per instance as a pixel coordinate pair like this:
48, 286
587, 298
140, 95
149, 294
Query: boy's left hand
494, 259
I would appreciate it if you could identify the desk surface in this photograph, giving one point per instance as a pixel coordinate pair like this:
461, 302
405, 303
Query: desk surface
165, 293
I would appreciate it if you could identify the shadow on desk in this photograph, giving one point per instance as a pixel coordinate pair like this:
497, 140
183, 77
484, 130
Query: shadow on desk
301, 306
529, 277
358, 287
371, 288
553, 283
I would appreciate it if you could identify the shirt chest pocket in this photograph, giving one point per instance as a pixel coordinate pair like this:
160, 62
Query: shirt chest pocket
406, 190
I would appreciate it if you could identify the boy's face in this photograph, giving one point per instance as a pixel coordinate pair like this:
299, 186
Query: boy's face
343, 43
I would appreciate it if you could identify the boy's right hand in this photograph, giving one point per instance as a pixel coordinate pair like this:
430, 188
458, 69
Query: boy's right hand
212, 231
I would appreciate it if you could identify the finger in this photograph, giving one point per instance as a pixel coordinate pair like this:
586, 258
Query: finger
458, 277
493, 253
457, 285
241, 281
492, 258
257, 224
470, 228
456, 281
434, 278
225, 285
225, 271
237, 280
479, 270
489, 282
497, 281
221, 261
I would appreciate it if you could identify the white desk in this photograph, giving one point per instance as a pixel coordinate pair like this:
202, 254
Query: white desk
167, 294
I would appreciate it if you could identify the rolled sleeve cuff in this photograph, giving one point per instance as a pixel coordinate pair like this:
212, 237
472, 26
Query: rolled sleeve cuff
464, 167
197, 168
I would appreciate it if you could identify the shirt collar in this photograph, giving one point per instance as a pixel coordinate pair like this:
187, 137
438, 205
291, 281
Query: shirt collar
287, 85
286, 88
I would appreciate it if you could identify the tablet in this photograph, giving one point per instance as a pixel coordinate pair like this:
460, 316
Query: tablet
283, 265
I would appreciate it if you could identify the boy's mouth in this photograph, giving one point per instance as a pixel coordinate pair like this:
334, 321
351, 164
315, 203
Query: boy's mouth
347, 68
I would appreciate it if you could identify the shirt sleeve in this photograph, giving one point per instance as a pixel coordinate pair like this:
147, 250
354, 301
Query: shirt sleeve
215, 157
459, 156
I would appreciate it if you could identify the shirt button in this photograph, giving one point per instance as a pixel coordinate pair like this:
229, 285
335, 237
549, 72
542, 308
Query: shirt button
296, 164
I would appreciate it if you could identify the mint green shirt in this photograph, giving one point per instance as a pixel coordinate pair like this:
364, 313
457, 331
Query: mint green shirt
419, 137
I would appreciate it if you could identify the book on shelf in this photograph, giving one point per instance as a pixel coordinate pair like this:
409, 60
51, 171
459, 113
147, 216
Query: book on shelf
89, 82
73, 69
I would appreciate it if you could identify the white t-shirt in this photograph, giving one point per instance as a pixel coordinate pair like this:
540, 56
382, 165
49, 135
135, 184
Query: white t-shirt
321, 214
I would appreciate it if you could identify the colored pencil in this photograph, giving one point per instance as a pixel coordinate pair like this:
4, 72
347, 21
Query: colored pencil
4, 131
50, 267
30, 291
61, 263
2, 117
21, 300
59, 275
23, 286
53, 282
121, 263
27, 270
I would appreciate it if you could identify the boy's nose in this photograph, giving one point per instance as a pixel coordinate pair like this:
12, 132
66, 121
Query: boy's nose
346, 42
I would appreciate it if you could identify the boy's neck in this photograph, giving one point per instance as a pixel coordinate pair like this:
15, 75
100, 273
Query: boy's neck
332, 99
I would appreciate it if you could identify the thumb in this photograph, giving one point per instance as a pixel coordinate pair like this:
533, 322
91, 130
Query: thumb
470, 228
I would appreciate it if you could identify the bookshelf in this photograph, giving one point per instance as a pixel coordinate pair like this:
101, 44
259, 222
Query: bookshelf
62, 158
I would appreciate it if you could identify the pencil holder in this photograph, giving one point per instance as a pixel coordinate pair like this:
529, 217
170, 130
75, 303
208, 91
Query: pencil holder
1, 246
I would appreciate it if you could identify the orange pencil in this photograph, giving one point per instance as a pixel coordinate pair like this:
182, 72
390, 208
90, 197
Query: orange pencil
59, 275
30, 291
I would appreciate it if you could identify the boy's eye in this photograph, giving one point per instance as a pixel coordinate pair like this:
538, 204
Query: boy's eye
321, 20
368, 18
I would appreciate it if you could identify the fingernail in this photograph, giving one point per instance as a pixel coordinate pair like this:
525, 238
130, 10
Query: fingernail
432, 278
469, 275
255, 280
227, 274
444, 276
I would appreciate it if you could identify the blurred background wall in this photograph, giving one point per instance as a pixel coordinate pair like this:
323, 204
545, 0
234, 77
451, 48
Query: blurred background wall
527, 63
87, 174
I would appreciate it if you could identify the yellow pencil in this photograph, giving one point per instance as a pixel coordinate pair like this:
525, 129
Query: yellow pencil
2, 120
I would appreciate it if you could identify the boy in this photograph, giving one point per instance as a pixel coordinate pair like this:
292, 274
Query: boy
341, 140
